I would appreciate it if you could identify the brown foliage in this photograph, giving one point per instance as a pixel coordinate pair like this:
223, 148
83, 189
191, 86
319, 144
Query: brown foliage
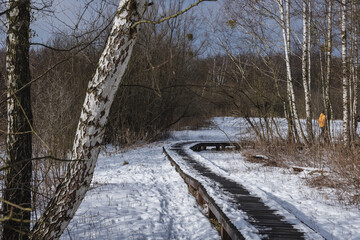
338, 167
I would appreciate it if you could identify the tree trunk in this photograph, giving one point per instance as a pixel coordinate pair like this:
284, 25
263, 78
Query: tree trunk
17, 185
306, 74
285, 25
356, 68
309, 127
346, 129
328, 107
89, 135
353, 69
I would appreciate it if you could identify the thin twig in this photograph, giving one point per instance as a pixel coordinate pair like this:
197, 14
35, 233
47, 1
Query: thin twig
171, 16
40, 158
15, 205
28, 120
60, 62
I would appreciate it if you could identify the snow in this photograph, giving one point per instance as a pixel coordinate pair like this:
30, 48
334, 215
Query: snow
137, 194
142, 198
288, 193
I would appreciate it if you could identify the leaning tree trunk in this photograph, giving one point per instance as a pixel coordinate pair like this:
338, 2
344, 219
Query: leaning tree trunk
346, 128
17, 185
90, 130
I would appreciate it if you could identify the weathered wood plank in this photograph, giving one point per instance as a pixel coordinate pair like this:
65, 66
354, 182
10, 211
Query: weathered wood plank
269, 224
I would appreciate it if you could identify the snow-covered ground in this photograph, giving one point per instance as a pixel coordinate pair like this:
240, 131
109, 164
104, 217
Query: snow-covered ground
147, 199
144, 199
287, 191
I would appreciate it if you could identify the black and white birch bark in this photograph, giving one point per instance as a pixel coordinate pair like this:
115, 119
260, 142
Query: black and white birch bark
284, 10
327, 101
309, 129
353, 69
306, 66
356, 65
89, 135
345, 79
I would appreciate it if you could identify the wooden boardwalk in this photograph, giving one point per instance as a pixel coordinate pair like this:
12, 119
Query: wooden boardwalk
269, 224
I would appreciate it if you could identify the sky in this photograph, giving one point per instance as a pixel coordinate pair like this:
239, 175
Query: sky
64, 16
69, 17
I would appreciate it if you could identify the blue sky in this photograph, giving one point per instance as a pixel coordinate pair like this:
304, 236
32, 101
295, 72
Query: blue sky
64, 17
65, 12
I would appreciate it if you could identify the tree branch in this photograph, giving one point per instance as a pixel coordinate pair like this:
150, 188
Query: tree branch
171, 16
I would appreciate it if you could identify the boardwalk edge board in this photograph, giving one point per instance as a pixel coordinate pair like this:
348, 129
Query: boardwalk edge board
228, 230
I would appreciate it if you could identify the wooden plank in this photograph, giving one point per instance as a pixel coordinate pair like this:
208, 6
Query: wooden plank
267, 221
231, 231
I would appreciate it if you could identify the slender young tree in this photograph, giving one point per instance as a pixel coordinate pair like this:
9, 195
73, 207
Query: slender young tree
356, 64
353, 82
306, 66
345, 79
328, 55
17, 185
284, 10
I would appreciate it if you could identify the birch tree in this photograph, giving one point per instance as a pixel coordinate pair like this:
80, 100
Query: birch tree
354, 61
345, 80
17, 186
94, 116
328, 52
284, 9
306, 65
100, 94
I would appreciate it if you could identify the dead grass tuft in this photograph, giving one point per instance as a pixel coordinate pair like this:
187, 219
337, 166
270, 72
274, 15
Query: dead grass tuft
216, 224
336, 166
323, 181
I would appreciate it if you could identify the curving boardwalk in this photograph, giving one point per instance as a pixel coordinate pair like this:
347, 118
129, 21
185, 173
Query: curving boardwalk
269, 224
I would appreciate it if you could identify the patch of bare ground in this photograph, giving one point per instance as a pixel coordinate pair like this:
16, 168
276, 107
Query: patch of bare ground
327, 165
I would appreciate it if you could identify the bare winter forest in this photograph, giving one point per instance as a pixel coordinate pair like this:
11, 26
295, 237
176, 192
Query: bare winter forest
130, 71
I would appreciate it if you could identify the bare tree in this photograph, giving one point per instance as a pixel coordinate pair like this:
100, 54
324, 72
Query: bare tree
306, 65
89, 134
354, 61
328, 55
284, 10
90, 131
17, 189
345, 79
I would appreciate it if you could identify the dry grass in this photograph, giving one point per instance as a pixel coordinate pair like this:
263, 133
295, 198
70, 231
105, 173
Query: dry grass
337, 167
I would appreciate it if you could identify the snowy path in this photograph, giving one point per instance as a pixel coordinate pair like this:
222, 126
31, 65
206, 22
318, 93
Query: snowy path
145, 199
250, 215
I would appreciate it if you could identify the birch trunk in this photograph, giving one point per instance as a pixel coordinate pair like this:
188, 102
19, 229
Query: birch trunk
353, 69
89, 135
287, 102
328, 107
346, 129
17, 184
285, 25
306, 67
351, 74
309, 127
